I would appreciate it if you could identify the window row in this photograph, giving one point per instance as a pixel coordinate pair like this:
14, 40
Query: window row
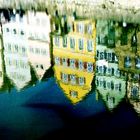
108, 71
14, 31
73, 79
128, 62
81, 47
38, 36
15, 48
75, 64
84, 28
109, 56
104, 40
38, 51
17, 76
108, 85
16, 63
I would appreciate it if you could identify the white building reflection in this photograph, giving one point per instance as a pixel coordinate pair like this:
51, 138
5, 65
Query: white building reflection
15, 54
38, 40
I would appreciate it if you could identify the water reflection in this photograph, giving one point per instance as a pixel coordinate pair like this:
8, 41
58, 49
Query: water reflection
110, 81
39, 43
87, 54
74, 58
15, 54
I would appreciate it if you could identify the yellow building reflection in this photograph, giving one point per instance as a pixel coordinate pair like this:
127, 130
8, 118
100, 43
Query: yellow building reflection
74, 58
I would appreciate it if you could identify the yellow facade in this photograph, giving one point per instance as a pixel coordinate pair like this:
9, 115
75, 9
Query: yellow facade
72, 61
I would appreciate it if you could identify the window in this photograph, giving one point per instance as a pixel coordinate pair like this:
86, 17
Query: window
7, 30
14, 31
73, 79
41, 66
117, 73
134, 40
109, 71
101, 83
109, 56
73, 94
101, 55
65, 78
81, 28
16, 48
81, 81
112, 85
81, 65
89, 67
127, 62
37, 50
32, 50
57, 60
89, 29
135, 92
64, 61
72, 63
24, 50
43, 52
22, 33
116, 87
108, 85
138, 63
57, 41
64, 42
104, 84
100, 70
81, 44
89, 45
72, 43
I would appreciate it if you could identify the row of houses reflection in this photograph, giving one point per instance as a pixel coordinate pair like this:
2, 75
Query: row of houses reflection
101, 55
93, 55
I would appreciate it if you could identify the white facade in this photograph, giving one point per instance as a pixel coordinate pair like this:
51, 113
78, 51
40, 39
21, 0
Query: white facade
15, 54
39, 26
39, 57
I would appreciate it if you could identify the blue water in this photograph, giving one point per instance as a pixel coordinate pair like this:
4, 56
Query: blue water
43, 111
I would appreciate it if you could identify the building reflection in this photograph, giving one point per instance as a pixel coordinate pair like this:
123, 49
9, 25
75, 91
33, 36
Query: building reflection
15, 54
133, 91
1, 62
38, 40
110, 81
74, 59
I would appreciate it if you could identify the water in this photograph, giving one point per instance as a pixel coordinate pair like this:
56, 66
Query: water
81, 83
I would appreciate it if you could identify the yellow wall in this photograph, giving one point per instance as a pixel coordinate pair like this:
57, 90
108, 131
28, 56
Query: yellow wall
84, 55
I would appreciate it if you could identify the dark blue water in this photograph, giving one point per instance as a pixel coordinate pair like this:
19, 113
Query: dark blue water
43, 112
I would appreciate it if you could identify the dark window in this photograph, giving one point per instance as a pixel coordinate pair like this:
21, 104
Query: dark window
127, 62
138, 63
